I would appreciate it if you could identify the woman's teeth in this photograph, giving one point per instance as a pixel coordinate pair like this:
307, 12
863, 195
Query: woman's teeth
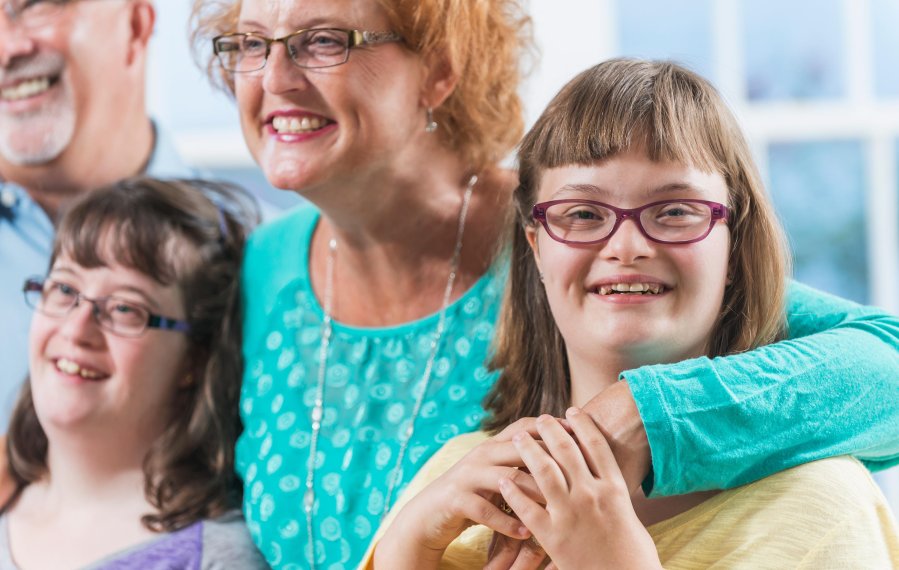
295, 125
72, 368
25, 89
631, 288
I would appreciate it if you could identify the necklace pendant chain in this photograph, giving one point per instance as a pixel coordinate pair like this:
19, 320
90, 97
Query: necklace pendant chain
317, 413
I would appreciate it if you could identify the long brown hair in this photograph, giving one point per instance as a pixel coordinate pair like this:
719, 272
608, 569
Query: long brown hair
674, 115
190, 233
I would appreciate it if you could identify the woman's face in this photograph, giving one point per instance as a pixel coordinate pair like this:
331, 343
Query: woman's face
639, 328
86, 377
309, 126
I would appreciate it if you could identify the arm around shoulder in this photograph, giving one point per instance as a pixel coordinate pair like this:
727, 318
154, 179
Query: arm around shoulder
227, 545
831, 389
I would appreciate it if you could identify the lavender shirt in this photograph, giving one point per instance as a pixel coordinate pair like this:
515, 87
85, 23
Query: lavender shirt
220, 544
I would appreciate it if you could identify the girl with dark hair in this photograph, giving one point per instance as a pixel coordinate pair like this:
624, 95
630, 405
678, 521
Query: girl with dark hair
121, 444
643, 237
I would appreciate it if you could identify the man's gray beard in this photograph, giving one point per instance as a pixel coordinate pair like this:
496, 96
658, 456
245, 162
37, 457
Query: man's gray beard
36, 138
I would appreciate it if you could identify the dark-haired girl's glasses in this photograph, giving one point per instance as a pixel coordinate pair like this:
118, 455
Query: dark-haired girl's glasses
125, 318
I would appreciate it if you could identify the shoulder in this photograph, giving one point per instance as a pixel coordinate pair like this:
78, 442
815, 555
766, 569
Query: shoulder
285, 230
826, 511
227, 544
814, 492
836, 479
834, 509
275, 255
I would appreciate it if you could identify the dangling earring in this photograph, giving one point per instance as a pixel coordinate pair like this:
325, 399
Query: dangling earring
541, 277
430, 124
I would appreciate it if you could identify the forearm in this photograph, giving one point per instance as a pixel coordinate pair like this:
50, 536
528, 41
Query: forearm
729, 421
832, 389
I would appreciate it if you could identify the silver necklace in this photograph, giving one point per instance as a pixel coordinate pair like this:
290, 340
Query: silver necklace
327, 327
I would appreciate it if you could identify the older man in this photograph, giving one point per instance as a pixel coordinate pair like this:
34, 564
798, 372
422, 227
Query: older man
72, 118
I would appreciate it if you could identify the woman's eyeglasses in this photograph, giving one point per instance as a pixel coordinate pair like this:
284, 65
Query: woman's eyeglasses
310, 49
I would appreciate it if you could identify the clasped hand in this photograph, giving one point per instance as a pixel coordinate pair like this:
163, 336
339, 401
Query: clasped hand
587, 519
563, 487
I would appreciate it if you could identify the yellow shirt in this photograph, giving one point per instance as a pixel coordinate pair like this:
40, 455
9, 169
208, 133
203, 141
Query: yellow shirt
825, 514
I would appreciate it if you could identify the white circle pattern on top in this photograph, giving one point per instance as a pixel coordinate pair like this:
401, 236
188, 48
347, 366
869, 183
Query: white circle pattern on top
379, 370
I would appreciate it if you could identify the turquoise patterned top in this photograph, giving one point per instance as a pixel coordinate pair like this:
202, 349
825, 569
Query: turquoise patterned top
371, 385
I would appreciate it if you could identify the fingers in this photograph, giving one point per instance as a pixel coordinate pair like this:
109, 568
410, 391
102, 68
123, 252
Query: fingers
616, 413
494, 452
513, 554
463, 491
502, 553
565, 451
530, 556
482, 511
593, 445
531, 514
525, 482
524, 425
542, 467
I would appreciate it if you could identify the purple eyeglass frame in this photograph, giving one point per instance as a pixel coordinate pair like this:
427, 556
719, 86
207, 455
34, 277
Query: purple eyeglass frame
719, 212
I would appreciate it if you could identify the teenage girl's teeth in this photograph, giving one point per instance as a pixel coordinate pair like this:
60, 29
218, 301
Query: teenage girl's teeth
73, 368
641, 288
293, 125
25, 89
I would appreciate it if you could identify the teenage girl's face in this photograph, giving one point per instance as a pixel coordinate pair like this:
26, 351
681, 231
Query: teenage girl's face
686, 282
87, 379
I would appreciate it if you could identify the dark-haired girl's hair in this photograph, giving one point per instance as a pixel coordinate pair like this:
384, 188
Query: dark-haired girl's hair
190, 233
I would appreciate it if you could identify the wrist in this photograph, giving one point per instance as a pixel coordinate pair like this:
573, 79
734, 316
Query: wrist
407, 543
615, 413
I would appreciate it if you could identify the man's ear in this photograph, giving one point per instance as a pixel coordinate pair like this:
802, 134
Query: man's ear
142, 22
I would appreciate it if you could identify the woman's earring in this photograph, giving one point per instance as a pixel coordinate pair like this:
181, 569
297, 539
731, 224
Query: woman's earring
541, 277
430, 124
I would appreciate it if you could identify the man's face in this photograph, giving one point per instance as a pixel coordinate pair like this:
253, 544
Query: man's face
57, 62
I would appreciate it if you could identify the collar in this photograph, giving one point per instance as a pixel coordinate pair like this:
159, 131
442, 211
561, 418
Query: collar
10, 199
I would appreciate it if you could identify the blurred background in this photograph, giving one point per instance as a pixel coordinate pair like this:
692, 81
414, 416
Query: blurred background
814, 82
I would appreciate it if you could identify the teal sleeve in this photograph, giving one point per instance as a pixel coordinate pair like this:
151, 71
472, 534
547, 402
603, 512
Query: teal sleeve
831, 389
